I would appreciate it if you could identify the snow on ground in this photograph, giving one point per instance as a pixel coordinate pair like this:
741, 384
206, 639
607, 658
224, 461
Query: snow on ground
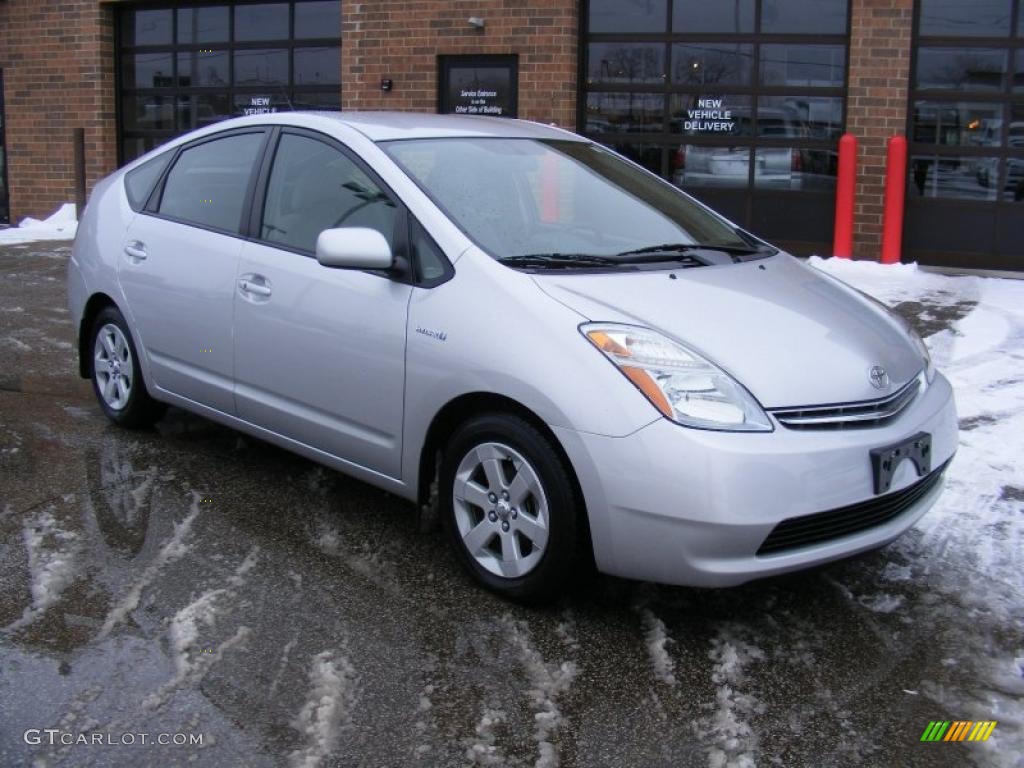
734, 742
60, 225
656, 638
328, 708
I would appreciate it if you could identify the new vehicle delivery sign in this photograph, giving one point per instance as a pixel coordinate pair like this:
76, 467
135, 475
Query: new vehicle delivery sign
709, 116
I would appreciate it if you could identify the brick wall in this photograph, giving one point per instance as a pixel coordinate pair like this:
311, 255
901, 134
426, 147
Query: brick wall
876, 104
58, 68
402, 39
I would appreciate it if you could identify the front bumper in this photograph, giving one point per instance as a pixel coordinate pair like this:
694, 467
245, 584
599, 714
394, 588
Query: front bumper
684, 506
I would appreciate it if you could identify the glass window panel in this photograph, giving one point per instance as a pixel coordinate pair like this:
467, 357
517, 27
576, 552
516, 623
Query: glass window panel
965, 178
710, 115
625, 63
701, 165
205, 109
203, 24
328, 100
803, 65
431, 263
965, 124
710, 64
137, 146
318, 66
319, 19
203, 68
1013, 191
624, 16
956, 18
647, 155
812, 17
807, 117
266, 21
139, 183
1018, 72
207, 184
261, 67
795, 168
147, 70
695, 16
147, 27
314, 187
148, 113
621, 112
964, 69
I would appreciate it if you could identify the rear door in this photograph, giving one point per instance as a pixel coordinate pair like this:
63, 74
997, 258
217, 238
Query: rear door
178, 264
320, 352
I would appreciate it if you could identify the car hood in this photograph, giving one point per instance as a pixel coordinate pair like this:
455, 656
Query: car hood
791, 335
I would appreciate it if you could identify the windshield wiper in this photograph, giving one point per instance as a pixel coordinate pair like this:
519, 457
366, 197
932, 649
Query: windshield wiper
700, 252
559, 260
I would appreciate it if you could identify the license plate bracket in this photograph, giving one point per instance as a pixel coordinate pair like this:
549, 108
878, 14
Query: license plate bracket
885, 460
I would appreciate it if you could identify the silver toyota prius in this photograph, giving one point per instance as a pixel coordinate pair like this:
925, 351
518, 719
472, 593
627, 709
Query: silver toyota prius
562, 354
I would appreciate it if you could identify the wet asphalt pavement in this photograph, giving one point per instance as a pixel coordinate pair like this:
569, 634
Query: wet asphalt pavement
188, 580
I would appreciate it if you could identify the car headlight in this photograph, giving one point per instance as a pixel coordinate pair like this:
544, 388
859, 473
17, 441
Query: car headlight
685, 386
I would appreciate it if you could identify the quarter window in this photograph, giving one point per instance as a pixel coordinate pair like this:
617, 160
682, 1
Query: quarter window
138, 183
207, 184
314, 186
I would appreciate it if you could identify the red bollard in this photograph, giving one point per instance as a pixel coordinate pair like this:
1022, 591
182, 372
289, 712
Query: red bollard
846, 190
895, 192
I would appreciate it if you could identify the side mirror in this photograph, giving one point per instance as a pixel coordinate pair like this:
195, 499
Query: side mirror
354, 248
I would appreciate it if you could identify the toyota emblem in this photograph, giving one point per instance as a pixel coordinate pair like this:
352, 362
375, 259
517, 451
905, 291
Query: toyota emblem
878, 377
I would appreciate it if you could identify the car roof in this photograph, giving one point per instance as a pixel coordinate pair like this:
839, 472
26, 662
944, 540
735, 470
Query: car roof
388, 126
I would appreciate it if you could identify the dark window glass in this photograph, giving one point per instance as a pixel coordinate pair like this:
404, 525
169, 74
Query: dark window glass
624, 112
963, 69
207, 184
805, 117
136, 146
1018, 72
261, 67
813, 17
1013, 190
702, 165
314, 187
202, 109
266, 21
319, 19
985, 18
147, 27
964, 124
967, 178
148, 112
713, 116
147, 70
624, 16
318, 66
327, 100
203, 24
430, 261
625, 63
647, 155
711, 64
203, 68
803, 65
139, 182
795, 168
693, 16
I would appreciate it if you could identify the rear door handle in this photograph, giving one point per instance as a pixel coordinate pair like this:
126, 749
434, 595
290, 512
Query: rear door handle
136, 250
254, 285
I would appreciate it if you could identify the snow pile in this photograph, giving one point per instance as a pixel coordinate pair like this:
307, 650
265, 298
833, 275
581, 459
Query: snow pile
328, 708
735, 743
52, 552
657, 638
60, 225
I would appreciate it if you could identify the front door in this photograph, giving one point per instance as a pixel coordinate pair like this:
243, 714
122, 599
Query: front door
320, 352
178, 265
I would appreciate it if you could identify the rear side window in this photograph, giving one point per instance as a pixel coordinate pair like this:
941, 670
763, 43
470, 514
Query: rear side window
139, 182
314, 186
207, 184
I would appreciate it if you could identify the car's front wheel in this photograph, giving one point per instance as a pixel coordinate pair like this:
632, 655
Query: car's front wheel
510, 507
117, 375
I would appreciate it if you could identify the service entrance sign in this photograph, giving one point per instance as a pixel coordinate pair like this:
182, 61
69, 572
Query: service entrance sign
478, 85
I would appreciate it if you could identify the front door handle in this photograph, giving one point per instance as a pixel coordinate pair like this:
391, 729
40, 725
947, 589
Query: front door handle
136, 251
254, 285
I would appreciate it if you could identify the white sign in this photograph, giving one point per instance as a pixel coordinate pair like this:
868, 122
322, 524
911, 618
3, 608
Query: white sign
259, 105
708, 117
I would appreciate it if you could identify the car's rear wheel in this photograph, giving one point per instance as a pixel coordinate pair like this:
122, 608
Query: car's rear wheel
117, 375
510, 507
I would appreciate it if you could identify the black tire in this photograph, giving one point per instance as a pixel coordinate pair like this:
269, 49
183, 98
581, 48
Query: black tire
561, 556
139, 410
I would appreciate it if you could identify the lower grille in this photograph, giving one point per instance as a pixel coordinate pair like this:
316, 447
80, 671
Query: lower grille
825, 526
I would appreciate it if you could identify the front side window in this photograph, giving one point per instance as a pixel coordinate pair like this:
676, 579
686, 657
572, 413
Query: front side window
314, 186
207, 184
523, 197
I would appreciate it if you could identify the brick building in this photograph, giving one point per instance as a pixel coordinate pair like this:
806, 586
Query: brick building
739, 102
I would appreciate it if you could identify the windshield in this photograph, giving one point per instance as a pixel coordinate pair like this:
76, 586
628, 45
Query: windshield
524, 197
